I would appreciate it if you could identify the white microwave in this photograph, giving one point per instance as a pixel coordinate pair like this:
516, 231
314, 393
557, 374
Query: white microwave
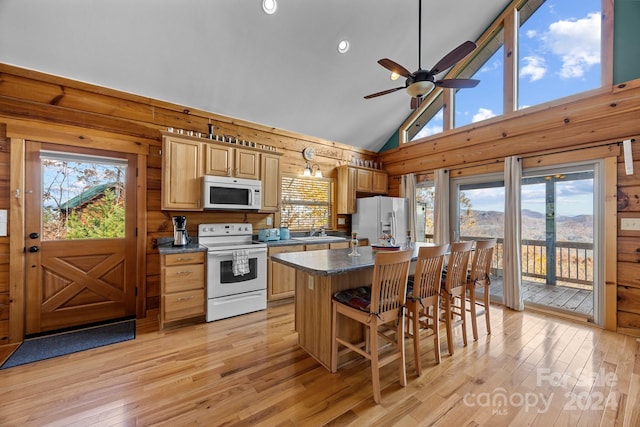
221, 192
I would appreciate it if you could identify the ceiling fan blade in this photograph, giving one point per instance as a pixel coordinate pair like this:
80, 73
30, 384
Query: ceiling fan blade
453, 57
384, 92
457, 83
415, 102
394, 67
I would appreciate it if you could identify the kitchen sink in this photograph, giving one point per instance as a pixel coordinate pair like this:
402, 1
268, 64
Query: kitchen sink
319, 238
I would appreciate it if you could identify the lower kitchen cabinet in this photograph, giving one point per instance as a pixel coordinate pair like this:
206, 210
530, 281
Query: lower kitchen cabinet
182, 290
281, 280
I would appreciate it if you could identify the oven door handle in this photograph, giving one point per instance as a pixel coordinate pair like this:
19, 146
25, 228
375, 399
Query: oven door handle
220, 254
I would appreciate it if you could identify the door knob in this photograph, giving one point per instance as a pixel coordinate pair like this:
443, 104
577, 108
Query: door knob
33, 249
34, 235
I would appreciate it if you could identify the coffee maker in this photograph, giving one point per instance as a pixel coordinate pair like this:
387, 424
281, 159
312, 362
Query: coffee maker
180, 235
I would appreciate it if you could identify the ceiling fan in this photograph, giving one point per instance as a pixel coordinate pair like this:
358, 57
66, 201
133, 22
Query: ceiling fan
421, 82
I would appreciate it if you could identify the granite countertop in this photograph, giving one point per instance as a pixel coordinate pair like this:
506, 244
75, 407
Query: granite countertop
165, 247
333, 261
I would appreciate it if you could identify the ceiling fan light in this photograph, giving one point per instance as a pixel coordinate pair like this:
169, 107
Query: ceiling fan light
419, 89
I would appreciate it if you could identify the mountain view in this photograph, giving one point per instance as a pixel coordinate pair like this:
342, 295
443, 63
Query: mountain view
491, 224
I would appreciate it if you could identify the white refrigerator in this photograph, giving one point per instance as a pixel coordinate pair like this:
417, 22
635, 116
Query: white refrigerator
380, 215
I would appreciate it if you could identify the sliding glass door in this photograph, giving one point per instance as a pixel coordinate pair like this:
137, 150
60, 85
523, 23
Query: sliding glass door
477, 209
560, 228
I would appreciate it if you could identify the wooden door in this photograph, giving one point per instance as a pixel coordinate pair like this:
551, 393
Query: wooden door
80, 244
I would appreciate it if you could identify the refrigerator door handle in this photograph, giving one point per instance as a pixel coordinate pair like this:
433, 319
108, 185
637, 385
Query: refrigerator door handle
394, 225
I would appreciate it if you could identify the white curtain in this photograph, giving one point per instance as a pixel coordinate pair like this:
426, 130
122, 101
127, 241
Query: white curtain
512, 267
408, 190
441, 208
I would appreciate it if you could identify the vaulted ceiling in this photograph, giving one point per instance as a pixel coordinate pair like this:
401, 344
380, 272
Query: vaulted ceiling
229, 57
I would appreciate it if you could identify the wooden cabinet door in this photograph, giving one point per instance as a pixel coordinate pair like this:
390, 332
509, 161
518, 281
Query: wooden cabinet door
281, 280
218, 160
339, 245
380, 183
346, 194
270, 177
246, 164
181, 175
364, 180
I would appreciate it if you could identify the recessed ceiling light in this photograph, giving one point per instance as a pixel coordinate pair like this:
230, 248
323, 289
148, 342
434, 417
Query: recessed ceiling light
343, 46
269, 6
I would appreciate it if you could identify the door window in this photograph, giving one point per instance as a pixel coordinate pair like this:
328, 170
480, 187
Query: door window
83, 197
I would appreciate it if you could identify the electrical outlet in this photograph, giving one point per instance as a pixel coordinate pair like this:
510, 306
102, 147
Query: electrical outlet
341, 221
269, 220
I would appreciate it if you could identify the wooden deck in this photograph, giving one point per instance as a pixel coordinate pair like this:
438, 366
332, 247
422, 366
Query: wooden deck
562, 298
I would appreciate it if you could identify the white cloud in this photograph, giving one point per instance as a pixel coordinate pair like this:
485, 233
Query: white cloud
531, 34
428, 131
482, 114
534, 67
576, 42
488, 67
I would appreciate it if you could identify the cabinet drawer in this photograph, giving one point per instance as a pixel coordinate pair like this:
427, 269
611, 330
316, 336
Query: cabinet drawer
285, 249
184, 258
182, 305
183, 277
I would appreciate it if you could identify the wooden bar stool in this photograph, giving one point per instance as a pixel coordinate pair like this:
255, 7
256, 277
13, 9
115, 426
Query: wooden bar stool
479, 279
423, 298
375, 307
455, 289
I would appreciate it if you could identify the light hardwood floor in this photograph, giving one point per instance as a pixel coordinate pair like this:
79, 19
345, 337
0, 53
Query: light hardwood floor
248, 370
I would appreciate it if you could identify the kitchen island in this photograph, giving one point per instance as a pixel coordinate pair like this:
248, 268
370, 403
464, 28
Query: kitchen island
319, 274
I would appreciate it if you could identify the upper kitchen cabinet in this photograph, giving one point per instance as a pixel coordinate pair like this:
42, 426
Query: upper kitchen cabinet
353, 180
270, 177
231, 161
181, 174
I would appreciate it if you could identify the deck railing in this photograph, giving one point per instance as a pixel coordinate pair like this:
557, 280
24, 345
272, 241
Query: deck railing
574, 260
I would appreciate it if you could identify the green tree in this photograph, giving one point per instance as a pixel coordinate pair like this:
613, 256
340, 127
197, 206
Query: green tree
102, 219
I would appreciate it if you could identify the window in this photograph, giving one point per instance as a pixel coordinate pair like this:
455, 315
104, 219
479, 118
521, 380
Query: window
306, 202
82, 197
485, 100
558, 49
558, 56
425, 197
430, 121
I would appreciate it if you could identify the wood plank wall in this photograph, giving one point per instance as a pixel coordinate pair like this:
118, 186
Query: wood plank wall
601, 118
48, 108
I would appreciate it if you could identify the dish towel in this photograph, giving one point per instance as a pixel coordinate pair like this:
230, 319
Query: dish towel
240, 262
